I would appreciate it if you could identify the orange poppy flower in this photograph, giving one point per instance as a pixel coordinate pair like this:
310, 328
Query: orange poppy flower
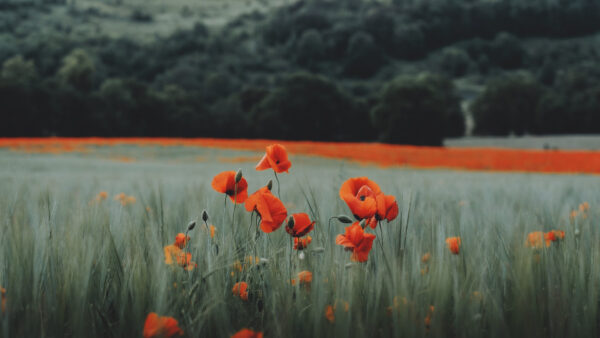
276, 158
240, 289
356, 240
162, 327
225, 183
271, 210
302, 243
538, 239
174, 253
3, 295
426, 257
359, 194
558, 234
453, 244
181, 241
301, 225
554, 235
387, 207
247, 333
330, 313
304, 279
428, 317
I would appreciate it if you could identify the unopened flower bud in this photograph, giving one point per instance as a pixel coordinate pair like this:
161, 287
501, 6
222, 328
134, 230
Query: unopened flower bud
191, 225
290, 223
344, 219
204, 215
270, 184
238, 176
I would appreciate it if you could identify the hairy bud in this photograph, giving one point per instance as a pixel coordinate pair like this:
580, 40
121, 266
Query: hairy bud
344, 219
270, 184
204, 215
192, 225
238, 176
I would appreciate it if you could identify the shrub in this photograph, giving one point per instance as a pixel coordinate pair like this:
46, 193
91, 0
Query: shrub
77, 70
309, 107
507, 105
310, 48
507, 51
18, 71
363, 57
453, 62
418, 110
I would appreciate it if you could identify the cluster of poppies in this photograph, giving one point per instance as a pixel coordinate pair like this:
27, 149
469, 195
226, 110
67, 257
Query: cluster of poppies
174, 253
539, 239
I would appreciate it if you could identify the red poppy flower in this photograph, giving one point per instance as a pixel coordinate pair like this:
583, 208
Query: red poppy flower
225, 183
276, 158
180, 240
156, 326
453, 244
271, 210
554, 235
359, 194
302, 243
387, 207
358, 241
240, 289
301, 225
246, 333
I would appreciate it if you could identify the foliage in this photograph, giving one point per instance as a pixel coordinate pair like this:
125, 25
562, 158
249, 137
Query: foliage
309, 107
409, 103
507, 105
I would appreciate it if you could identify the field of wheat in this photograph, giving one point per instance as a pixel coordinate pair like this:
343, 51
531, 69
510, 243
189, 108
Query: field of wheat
94, 242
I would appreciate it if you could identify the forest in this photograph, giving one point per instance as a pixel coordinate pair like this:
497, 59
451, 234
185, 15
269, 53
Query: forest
409, 72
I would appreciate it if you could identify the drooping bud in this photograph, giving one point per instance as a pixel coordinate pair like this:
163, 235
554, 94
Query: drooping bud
238, 176
291, 222
344, 219
204, 215
270, 184
191, 225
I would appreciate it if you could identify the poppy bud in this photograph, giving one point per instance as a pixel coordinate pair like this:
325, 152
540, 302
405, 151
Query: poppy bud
238, 176
191, 225
270, 184
344, 219
577, 232
204, 215
290, 223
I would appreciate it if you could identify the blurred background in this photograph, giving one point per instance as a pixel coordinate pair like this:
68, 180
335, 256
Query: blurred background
395, 71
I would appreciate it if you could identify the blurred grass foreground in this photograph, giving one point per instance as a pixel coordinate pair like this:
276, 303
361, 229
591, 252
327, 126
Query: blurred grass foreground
86, 242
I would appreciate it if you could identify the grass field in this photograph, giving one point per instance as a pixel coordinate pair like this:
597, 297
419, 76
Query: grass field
74, 266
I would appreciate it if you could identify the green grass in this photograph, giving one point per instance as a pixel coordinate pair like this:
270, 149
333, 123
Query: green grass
72, 269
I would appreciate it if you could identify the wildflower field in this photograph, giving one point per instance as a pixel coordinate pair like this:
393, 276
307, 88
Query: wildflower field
130, 240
